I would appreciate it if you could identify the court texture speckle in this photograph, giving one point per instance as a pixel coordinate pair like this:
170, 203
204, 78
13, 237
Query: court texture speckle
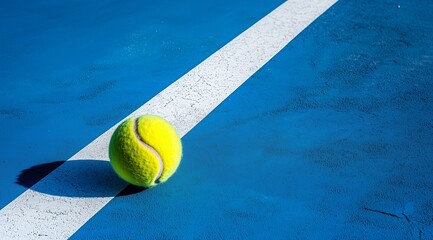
299, 119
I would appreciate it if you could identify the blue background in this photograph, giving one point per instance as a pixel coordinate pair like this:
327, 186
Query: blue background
331, 139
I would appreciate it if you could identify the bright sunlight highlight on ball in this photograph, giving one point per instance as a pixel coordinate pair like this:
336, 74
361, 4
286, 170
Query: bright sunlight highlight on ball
145, 150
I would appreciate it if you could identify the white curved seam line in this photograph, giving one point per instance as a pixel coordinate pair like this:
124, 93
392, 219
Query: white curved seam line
150, 148
184, 104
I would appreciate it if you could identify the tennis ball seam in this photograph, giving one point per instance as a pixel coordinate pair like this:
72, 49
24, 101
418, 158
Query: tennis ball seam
150, 148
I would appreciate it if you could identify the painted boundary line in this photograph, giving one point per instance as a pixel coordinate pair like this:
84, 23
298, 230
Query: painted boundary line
36, 214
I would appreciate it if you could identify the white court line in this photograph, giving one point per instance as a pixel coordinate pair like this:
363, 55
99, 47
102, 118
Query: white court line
36, 214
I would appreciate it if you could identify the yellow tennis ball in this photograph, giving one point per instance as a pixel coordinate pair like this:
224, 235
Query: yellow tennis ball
145, 151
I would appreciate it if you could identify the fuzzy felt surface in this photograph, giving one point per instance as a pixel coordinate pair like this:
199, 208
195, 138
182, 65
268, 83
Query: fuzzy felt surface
145, 151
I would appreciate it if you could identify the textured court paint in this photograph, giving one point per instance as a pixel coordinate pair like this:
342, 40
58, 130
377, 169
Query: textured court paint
69, 70
331, 139
184, 103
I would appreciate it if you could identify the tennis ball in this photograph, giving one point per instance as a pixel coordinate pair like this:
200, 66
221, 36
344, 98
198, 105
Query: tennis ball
145, 150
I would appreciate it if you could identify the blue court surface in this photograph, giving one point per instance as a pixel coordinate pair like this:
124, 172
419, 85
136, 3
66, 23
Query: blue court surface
331, 139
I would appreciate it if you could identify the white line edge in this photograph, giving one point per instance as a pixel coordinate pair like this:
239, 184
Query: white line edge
184, 103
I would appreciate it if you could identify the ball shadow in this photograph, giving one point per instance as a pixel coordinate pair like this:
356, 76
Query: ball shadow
29, 177
131, 189
76, 178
